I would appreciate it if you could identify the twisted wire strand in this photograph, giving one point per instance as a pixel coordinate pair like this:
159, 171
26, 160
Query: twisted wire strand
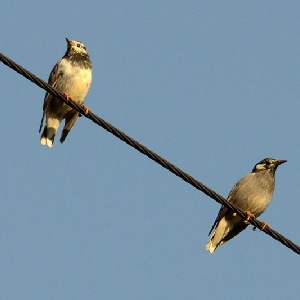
152, 155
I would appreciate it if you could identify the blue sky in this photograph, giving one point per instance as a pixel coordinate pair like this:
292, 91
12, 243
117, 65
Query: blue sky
213, 87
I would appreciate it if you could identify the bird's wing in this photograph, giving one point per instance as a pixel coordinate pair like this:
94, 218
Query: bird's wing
236, 229
53, 79
232, 197
222, 212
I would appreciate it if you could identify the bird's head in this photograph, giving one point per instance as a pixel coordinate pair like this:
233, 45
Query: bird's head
75, 47
270, 164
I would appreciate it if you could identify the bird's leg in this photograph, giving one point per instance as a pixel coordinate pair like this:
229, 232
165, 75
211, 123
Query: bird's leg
67, 96
87, 109
265, 225
249, 216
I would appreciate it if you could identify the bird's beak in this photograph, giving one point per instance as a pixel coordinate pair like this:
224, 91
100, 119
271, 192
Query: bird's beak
279, 162
68, 41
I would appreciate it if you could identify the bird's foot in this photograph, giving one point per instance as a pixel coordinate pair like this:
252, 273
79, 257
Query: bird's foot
87, 110
265, 225
67, 96
249, 216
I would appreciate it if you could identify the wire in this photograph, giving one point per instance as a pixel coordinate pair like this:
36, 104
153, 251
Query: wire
152, 155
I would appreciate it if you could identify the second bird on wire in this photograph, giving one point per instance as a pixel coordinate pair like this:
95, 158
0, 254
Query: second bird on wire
252, 194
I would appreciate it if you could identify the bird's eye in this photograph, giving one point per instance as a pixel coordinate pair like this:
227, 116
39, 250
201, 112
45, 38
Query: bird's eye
267, 162
78, 45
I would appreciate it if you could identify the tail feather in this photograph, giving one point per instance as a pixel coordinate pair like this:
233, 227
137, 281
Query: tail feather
71, 118
210, 246
47, 137
225, 231
42, 121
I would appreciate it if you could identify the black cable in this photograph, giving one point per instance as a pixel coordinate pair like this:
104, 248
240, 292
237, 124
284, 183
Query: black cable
152, 155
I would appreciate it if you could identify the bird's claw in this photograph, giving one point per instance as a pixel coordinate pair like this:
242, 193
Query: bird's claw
86, 109
264, 226
67, 96
249, 216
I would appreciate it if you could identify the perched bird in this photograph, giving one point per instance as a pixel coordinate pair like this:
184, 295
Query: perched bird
252, 194
72, 76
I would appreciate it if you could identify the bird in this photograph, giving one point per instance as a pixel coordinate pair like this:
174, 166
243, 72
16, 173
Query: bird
72, 76
252, 194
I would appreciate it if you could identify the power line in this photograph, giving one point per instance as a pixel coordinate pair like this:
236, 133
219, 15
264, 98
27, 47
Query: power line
152, 155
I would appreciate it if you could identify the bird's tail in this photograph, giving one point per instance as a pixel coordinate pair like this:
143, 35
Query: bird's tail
47, 137
48, 134
210, 246
71, 118
217, 236
42, 121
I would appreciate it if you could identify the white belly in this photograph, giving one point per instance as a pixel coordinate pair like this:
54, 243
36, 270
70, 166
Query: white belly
75, 81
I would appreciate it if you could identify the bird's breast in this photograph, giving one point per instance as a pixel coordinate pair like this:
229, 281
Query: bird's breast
253, 193
75, 81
